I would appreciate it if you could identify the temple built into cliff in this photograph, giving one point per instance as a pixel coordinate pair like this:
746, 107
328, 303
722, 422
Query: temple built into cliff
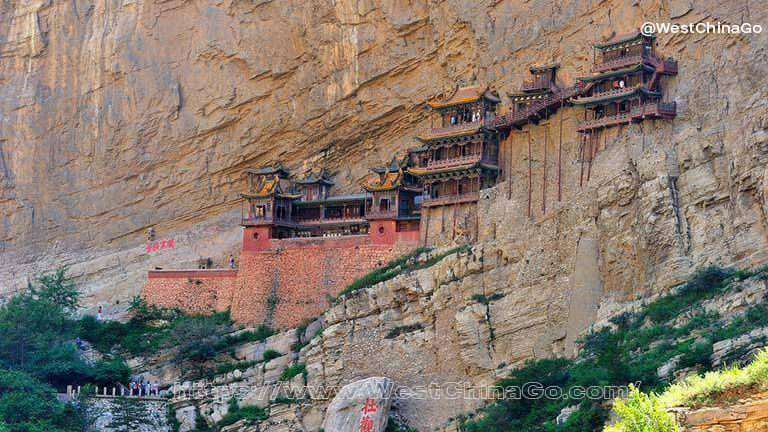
453, 161
459, 156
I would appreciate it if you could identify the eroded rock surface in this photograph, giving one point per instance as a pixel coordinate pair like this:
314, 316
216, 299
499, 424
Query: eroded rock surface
118, 116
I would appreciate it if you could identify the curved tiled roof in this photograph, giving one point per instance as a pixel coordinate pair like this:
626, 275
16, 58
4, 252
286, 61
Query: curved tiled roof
616, 72
462, 95
539, 68
618, 41
391, 180
269, 170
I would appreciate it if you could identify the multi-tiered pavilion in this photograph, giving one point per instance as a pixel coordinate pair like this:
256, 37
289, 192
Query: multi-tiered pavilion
625, 85
459, 155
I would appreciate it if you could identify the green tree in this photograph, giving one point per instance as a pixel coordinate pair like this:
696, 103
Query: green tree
29, 405
56, 288
640, 412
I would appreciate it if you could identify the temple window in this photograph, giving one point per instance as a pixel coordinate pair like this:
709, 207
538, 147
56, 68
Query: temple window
384, 204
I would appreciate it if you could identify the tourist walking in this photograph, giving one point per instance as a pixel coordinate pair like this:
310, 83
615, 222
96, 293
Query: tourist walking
231, 261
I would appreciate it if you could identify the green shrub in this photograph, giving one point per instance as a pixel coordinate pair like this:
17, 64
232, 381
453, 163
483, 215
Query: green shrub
641, 413
392, 426
704, 284
271, 354
397, 331
698, 354
200, 424
230, 367
171, 419
110, 372
251, 414
298, 345
293, 370
282, 399
698, 390
259, 334
404, 264
483, 299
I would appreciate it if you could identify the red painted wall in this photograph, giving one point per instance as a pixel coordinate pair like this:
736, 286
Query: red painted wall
282, 284
387, 232
256, 238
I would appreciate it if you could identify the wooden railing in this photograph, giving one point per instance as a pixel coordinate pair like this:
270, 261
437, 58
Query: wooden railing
264, 220
535, 109
257, 220
653, 109
613, 92
377, 214
668, 67
451, 199
448, 162
657, 109
616, 63
455, 128
535, 84
604, 122
319, 221
74, 392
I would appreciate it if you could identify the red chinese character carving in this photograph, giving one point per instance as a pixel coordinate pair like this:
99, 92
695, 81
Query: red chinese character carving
370, 406
366, 424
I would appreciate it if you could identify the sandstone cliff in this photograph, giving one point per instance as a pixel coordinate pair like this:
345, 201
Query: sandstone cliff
124, 115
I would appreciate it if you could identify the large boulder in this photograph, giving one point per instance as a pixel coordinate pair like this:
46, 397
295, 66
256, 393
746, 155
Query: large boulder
361, 406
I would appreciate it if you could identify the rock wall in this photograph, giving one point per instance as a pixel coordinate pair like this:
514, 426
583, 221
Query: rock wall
123, 414
125, 115
749, 414
282, 286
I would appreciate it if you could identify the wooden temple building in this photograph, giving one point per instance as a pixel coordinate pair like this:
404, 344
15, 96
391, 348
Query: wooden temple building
459, 155
394, 211
539, 88
285, 208
625, 85
268, 201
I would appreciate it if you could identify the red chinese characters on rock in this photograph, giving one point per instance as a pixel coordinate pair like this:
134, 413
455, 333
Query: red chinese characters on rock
366, 422
160, 244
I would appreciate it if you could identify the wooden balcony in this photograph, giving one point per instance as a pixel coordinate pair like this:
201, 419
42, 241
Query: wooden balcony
617, 63
638, 113
254, 221
535, 84
604, 122
455, 161
328, 221
668, 67
378, 214
451, 129
451, 199
535, 110
612, 92
656, 110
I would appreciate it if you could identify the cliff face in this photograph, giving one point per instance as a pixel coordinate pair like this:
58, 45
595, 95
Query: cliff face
123, 115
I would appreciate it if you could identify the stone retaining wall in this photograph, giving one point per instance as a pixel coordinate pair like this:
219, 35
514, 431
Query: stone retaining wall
282, 285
